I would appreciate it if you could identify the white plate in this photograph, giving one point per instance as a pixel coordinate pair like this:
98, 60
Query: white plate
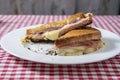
11, 43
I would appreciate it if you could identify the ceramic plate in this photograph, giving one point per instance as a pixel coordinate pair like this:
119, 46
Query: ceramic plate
11, 43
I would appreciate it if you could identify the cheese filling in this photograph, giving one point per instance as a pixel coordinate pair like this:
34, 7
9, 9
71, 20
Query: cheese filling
52, 35
80, 50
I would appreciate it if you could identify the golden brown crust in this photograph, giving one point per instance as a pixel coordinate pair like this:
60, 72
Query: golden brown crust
58, 23
78, 36
79, 32
34, 33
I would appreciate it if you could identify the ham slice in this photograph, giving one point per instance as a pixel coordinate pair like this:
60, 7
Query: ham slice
91, 43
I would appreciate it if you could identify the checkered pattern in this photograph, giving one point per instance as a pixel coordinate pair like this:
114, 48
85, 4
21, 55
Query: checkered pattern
14, 68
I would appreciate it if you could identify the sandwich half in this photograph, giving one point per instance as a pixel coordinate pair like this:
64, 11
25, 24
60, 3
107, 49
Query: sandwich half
78, 42
53, 30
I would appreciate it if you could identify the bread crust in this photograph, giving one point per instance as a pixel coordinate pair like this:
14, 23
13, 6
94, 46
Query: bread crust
34, 33
57, 23
78, 36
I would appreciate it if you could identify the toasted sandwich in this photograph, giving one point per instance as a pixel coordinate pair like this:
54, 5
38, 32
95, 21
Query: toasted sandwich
78, 42
53, 30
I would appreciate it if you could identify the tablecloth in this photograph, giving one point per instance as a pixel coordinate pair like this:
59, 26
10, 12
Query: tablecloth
15, 68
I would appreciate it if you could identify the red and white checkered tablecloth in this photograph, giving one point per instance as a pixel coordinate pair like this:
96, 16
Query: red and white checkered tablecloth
14, 68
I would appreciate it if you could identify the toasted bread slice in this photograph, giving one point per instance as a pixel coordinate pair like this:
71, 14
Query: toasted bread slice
79, 42
61, 23
57, 29
81, 35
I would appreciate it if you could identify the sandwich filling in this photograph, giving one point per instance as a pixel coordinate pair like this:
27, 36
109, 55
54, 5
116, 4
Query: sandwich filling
80, 48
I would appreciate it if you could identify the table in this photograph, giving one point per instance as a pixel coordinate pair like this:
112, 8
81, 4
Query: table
12, 67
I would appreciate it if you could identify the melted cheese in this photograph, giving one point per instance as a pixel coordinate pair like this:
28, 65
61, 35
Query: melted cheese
52, 35
24, 40
75, 51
